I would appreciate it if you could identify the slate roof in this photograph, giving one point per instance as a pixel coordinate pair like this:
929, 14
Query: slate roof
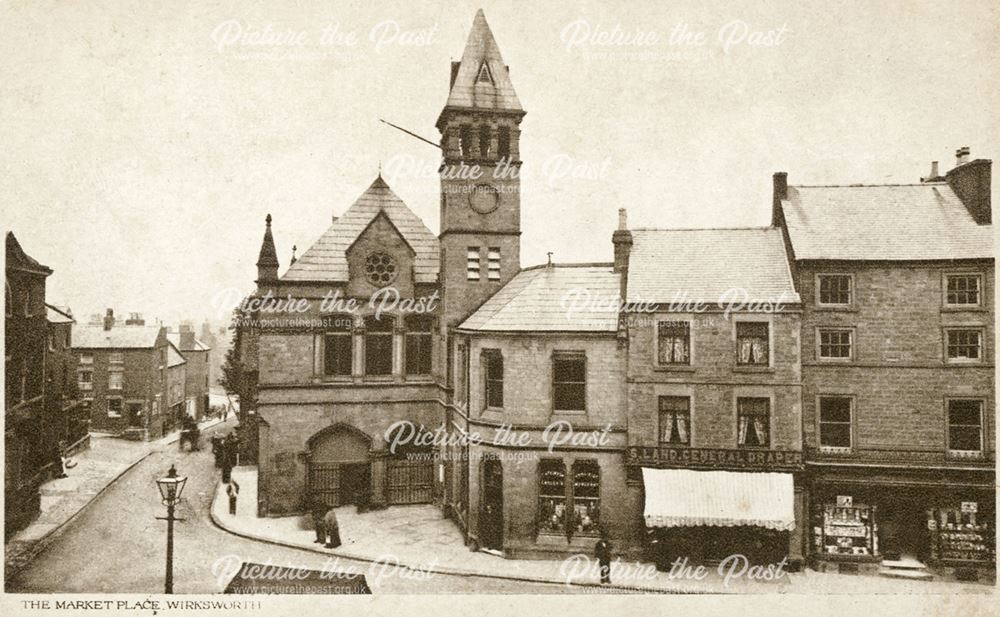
174, 357
58, 314
88, 336
883, 222
175, 340
689, 265
560, 298
471, 92
326, 259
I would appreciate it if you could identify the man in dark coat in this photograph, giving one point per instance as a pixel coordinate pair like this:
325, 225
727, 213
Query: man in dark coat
602, 550
217, 450
318, 511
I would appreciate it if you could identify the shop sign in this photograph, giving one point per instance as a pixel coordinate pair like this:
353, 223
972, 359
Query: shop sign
970, 507
845, 501
717, 458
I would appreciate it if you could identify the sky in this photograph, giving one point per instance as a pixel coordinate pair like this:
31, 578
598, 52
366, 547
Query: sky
143, 143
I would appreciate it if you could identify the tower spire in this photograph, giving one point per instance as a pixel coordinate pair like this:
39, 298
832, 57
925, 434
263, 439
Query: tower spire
267, 259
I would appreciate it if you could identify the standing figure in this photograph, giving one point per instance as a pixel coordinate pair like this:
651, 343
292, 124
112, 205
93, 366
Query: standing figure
318, 511
602, 550
233, 490
217, 450
332, 529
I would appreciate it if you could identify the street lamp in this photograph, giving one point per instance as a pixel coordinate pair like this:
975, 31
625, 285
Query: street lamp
171, 488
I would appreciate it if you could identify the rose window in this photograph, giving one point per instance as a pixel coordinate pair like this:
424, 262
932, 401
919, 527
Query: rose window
380, 269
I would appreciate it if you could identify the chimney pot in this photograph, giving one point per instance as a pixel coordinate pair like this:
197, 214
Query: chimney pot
622, 218
962, 155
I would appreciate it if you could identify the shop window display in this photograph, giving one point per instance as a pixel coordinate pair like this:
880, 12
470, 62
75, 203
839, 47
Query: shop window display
962, 534
845, 528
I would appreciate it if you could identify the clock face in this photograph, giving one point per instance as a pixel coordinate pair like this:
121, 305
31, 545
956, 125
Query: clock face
484, 198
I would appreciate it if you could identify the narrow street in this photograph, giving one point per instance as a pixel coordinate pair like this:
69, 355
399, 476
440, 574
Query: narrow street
118, 546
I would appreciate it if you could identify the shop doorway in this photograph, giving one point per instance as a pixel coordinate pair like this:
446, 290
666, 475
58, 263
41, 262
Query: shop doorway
903, 533
491, 505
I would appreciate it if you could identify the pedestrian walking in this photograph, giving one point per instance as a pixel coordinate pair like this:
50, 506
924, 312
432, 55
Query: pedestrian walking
233, 490
332, 529
318, 510
602, 550
217, 450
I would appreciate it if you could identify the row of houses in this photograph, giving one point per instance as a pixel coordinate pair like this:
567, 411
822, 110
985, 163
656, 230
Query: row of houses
43, 416
819, 389
64, 379
140, 381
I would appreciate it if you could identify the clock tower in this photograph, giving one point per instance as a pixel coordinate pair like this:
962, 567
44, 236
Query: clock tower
480, 177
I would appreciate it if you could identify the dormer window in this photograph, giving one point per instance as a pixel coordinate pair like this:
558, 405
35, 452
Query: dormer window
484, 76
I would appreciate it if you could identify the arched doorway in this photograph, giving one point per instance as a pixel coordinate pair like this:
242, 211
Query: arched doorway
339, 469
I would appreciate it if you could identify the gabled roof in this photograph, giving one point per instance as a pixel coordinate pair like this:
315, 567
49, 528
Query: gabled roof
174, 357
175, 340
557, 298
326, 259
703, 265
58, 314
468, 90
17, 259
88, 336
883, 222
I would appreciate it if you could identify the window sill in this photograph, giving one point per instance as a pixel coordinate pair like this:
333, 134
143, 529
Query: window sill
965, 454
962, 362
746, 368
569, 412
836, 308
671, 368
964, 308
835, 360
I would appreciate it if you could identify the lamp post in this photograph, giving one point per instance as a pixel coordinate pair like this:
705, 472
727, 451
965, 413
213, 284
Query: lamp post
171, 488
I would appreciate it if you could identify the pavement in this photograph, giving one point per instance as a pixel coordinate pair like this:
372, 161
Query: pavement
63, 499
418, 538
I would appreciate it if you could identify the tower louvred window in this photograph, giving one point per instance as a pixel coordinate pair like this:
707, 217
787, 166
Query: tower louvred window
484, 76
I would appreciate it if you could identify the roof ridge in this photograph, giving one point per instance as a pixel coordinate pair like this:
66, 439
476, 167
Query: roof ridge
571, 264
751, 228
862, 185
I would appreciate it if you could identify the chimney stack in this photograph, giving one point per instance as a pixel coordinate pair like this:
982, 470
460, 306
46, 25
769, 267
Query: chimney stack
962, 155
622, 241
187, 340
779, 194
109, 320
971, 182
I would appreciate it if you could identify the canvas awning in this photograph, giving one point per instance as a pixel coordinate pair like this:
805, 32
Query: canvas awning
687, 498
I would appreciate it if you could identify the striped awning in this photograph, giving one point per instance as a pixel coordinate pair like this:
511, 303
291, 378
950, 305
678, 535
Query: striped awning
688, 498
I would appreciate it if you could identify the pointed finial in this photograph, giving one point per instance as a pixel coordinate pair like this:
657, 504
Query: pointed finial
293, 254
550, 258
267, 219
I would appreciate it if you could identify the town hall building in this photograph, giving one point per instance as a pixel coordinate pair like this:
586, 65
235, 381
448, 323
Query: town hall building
675, 429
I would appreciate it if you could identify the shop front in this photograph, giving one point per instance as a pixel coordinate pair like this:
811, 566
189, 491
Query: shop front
942, 526
707, 516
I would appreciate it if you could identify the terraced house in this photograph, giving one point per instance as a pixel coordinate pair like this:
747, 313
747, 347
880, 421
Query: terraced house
897, 286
